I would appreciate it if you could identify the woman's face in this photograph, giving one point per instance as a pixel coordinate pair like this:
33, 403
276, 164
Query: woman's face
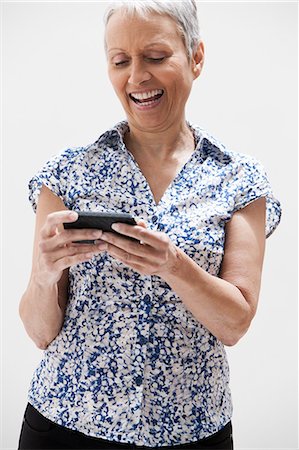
149, 69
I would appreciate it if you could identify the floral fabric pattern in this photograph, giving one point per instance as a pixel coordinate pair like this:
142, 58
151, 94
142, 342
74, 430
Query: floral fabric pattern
131, 363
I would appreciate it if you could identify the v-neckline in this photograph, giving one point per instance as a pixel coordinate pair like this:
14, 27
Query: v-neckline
174, 180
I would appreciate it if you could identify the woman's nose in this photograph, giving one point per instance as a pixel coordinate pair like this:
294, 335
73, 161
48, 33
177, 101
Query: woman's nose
138, 73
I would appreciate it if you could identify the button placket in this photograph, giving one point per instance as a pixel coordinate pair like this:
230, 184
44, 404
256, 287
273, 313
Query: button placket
139, 356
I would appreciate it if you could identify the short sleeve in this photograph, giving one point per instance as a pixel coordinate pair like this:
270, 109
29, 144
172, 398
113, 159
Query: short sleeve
55, 175
252, 184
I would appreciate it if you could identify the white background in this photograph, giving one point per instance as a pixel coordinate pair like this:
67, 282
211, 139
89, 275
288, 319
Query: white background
56, 94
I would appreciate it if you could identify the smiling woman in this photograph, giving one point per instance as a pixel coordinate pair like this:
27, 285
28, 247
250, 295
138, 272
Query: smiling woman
134, 331
153, 75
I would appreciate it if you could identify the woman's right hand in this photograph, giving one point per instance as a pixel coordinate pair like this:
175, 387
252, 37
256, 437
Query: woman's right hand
43, 304
57, 250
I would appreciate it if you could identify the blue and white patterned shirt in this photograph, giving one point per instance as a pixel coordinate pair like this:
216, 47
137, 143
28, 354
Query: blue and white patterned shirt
131, 363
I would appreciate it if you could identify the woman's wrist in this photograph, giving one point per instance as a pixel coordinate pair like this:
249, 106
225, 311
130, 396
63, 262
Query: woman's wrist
41, 292
174, 266
43, 282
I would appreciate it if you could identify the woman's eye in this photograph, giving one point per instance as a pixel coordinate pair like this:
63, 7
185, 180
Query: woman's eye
156, 59
120, 63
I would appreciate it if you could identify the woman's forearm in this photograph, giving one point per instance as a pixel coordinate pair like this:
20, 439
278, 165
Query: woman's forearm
41, 313
214, 302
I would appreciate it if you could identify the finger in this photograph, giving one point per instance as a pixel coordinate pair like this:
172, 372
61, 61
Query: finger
152, 238
57, 218
79, 249
131, 247
72, 260
139, 264
98, 244
68, 237
143, 224
75, 235
124, 256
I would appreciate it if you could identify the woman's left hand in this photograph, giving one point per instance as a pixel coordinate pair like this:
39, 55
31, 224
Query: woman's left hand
153, 253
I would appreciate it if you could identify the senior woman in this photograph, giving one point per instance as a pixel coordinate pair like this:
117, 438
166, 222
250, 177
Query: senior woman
134, 332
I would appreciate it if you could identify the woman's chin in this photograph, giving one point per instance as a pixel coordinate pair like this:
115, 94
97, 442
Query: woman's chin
157, 123
148, 117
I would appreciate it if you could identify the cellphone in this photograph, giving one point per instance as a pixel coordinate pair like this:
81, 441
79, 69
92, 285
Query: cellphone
100, 221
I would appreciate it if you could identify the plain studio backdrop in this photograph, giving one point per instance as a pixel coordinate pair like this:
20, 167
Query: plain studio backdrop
57, 94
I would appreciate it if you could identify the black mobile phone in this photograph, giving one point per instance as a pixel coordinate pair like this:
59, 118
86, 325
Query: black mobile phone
101, 221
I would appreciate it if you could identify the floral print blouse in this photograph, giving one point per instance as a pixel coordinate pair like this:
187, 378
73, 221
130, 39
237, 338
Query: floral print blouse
131, 363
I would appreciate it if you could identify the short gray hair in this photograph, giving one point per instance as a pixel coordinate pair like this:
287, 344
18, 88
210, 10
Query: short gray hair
184, 13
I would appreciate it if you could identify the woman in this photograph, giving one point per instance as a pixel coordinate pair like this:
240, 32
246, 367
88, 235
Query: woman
134, 331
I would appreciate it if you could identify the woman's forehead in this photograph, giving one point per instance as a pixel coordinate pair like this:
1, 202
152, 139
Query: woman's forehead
150, 29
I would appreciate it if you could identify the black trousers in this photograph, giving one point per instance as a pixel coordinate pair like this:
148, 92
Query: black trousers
40, 433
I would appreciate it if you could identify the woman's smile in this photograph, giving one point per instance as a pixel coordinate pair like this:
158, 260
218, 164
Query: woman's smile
147, 100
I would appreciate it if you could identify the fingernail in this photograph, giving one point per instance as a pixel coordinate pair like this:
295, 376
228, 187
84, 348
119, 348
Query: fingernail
115, 227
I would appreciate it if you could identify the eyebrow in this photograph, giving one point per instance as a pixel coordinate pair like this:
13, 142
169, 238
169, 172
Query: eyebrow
153, 44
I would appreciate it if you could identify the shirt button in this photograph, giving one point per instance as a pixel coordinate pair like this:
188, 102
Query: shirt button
138, 380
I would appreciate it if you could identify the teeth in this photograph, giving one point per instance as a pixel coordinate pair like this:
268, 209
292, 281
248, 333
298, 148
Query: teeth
145, 95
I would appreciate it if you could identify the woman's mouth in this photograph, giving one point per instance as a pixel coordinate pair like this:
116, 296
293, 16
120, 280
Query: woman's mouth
147, 99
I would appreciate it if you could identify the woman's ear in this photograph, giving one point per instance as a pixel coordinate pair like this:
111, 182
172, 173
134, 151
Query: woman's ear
198, 59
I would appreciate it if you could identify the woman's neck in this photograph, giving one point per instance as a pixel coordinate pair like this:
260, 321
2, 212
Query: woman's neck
160, 145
